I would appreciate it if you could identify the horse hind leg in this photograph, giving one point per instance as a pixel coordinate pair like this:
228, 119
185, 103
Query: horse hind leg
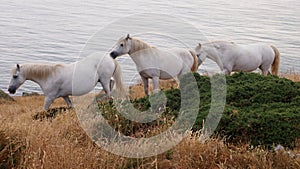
145, 82
226, 72
111, 84
265, 70
68, 101
155, 81
106, 84
177, 81
106, 88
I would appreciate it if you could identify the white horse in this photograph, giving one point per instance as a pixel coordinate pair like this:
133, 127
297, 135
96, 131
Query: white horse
234, 57
155, 63
63, 80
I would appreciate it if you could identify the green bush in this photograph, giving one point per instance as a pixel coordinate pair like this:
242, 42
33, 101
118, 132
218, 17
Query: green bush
262, 110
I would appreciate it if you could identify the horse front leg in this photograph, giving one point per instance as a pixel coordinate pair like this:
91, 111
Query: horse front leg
145, 82
48, 101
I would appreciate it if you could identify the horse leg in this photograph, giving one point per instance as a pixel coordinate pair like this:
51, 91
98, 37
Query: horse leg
226, 72
68, 101
177, 81
111, 84
265, 70
106, 88
155, 81
106, 84
145, 81
48, 102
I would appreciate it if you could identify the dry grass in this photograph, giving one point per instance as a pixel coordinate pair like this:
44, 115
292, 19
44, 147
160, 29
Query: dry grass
137, 91
294, 76
62, 143
291, 74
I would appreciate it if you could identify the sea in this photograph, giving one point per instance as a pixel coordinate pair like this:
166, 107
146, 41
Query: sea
56, 31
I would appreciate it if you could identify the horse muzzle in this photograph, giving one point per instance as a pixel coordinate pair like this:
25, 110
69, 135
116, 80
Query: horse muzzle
114, 54
12, 90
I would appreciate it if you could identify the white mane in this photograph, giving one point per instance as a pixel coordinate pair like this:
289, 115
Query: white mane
40, 71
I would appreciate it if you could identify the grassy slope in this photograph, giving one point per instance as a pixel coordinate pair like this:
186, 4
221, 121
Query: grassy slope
61, 143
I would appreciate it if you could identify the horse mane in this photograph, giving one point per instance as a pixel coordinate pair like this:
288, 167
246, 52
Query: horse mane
40, 71
137, 45
220, 42
220, 45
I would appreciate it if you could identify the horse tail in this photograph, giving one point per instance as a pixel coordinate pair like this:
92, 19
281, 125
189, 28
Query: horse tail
275, 64
195, 63
121, 91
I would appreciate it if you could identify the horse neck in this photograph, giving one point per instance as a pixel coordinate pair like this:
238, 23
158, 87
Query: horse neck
38, 73
211, 51
137, 45
214, 54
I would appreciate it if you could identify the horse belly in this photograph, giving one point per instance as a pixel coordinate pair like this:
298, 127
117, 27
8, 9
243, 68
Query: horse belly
165, 69
246, 60
149, 73
84, 79
246, 66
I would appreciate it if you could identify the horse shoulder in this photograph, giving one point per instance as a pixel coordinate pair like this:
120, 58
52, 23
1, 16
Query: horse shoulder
63, 73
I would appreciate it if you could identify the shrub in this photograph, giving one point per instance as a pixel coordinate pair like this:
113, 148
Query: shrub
262, 110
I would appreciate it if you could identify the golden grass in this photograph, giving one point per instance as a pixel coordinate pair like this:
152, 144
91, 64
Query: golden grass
137, 91
292, 76
61, 143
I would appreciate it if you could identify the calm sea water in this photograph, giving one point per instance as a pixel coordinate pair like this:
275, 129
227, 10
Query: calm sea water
56, 31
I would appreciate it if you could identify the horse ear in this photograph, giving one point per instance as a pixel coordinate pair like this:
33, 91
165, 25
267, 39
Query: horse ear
200, 45
18, 67
128, 37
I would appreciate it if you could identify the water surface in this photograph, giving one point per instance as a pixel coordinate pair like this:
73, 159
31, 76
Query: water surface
56, 31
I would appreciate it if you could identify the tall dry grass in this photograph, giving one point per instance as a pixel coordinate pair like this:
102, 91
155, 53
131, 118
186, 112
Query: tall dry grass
61, 143
291, 75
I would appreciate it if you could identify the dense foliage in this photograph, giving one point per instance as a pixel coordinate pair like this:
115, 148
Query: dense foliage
262, 110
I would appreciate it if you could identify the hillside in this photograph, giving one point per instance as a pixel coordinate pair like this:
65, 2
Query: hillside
260, 112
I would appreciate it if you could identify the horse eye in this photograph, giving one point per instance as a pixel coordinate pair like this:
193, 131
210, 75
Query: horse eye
122, 45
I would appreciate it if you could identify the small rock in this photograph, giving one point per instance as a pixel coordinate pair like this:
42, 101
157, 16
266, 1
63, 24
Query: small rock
30, 94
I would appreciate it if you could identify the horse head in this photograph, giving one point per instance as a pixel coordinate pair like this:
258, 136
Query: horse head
201, 55
122, 47
17, 79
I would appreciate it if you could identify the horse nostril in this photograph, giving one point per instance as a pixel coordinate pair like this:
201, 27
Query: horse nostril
11, 90
113, 54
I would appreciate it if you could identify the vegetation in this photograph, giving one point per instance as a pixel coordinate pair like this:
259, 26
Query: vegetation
5, 97
260, 112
